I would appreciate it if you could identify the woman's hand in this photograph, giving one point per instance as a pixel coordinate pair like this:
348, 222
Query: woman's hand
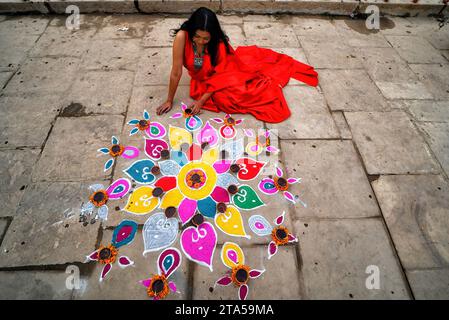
196, 107
164, 108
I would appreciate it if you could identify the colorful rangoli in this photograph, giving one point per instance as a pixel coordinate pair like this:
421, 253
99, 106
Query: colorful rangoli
193, 187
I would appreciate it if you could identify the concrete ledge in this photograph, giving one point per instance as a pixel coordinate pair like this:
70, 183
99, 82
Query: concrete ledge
176, 6
91, 6
18, 6
330, 7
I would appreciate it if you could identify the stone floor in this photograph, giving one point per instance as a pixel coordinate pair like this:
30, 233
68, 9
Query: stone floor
371, 145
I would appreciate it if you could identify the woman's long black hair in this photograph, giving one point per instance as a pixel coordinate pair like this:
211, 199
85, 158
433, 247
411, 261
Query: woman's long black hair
206, 20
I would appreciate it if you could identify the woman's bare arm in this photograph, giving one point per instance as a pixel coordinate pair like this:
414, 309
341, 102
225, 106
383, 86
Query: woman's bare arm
176, 71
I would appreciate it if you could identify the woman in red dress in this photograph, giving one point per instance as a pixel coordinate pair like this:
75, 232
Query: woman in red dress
246, 80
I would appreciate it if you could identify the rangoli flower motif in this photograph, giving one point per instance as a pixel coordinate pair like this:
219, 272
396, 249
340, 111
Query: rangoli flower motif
232, 256
262, 142
158, 286
152, 128
100, 197
107, 255
118, 150
192, 122
279, 235
227, 130
271, 186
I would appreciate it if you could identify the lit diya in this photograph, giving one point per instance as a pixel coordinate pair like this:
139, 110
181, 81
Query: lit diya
279, 235
118, 150
271, 186
152, 128
158, 286
232, 256
107, 255
227, 130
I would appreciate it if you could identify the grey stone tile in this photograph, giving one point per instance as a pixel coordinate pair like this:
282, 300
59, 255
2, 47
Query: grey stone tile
329, 54
356, 34
426, 110
351, 90
44, 75
15, 170
435, 77
384, 64
229, 19
34, 285
321, 27
333, 183
153, 68
415, 49
4, 77
40, 234
429, 284
102, 92
335, 266
270, 34
415, 209
20, 25
235, 34
404, 90
124, 283
73, 157
159, 34
60, 41
342, 125
137, 26
3, 227
13, 50
389, 143
113, 54
437, 134
310, 118
281, 273
35, 114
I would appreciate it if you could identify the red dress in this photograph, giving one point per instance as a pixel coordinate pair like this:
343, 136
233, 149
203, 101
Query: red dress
246, 80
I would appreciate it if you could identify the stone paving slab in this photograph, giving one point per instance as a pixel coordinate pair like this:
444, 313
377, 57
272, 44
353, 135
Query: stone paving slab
389, 143
415, 49
429, 284
261, 33
137, 26
37, 111
329, 54
279, 281
415, 208
159, 33
236, 36
73, 157
123, 284
153, 68
113, 54
60, 41
334, 266
426, 110
102, 92
13, 50
351, 90
15, 171
31, 24
36, 75
342, 125
40, 233
333, 183
309, 110
314, 26
4, 78
437, 135
392, 75
34, 285
356, 34
435, 77
3, 227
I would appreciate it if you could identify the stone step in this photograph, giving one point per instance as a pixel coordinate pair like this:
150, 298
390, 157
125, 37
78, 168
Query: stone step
329, 7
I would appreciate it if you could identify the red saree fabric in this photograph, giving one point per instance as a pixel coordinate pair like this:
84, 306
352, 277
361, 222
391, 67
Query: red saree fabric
246, 80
